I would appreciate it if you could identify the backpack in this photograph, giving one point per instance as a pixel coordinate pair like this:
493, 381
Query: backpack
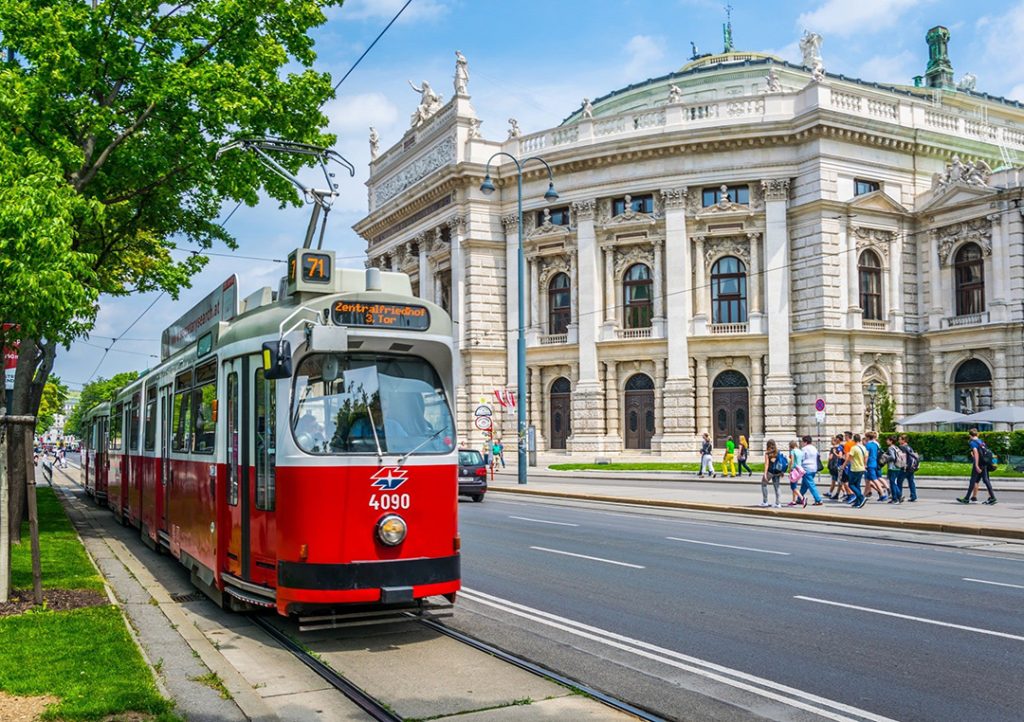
780, 465
913, 461
899, 458
986, 458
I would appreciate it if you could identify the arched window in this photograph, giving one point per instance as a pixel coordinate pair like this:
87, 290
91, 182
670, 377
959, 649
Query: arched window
639, 382
636, 287
870, 276
973, 385
729, 380
728, 291
559, 304
969, 274
561, 386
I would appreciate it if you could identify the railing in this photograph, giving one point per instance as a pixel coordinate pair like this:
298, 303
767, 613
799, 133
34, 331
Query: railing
552, 339
874, 325
970, 319
627, 333
723, 328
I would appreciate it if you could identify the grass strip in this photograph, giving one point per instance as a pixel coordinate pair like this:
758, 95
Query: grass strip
85, 657
64, 561
928, 468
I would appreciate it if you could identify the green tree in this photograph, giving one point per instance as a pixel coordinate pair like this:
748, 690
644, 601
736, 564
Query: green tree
886, 410
55, 393
111, 114
95, 393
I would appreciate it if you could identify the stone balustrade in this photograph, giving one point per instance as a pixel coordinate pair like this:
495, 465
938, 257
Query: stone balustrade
718, 329
970, 319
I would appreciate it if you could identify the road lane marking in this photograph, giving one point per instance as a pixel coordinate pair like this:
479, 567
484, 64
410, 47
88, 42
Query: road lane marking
979, 630
584, 556
766, 688
727, 546
542, 521
995, 584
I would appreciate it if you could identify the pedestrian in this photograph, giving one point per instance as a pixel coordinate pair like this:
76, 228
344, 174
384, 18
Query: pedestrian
744, 454
855, 464
812, 465
706, 462
836, 457
796, 473
982, 460
498, 450
913, 462
485, 449
896, 462
728, 461
872, 471
772, 461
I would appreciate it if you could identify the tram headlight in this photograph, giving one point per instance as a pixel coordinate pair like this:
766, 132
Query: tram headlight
391, 530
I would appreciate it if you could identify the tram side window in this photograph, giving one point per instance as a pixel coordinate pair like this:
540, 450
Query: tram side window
149, 442
180, 424
233, 439
266, 441
135, 422
116, 424
204, 403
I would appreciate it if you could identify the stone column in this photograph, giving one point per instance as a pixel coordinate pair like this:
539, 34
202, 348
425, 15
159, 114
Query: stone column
780, 396
536, 325
658, 322
457, 226
898, 390
511, 224
426, 287
940, 397
574, 299
896, 312
608, 331
588, 396
756, 397
537, 406
394, 263
677, 420
854, 313
935, 296
754, 288
703, 397
613, 437
1000, 379
700, 288
659, 404
857, 409
1000, 266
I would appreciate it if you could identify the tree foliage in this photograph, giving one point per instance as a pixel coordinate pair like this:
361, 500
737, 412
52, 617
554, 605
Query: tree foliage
886, 410
93, 394
55, 393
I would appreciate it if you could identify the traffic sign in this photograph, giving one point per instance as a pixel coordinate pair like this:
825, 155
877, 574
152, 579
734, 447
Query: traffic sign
819, 406
482, 410
483, 423
819, 417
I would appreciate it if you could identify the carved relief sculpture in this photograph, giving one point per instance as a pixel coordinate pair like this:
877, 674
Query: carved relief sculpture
439, 155
584, 210
975, 174
775, 189
674, 197
874, 238
978, 230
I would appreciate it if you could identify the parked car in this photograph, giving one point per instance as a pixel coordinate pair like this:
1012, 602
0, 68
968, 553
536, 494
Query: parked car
472, 474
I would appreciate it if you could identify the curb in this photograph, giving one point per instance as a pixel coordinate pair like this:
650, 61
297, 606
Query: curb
932, 526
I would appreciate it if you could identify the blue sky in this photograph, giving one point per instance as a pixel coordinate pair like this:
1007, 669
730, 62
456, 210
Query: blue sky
534, 61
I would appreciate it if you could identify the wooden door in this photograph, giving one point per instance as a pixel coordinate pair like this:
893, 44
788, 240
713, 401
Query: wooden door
560, 420
730, 415
639, 418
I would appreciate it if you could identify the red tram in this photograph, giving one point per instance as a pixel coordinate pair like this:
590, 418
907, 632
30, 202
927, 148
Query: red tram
320, 478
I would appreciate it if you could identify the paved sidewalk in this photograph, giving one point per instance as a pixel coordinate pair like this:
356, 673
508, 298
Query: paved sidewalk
935, 510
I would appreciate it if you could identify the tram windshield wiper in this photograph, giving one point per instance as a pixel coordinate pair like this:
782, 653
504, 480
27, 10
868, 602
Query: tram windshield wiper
406, 455
376, 439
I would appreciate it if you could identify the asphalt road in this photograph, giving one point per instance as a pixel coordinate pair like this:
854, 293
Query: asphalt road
713, 618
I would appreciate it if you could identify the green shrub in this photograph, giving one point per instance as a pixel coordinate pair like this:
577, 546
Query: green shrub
952, 445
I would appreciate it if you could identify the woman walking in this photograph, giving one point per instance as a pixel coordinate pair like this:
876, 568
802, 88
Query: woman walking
836, 458
728, 461
706, 463
772, 461
744, 453
796, 473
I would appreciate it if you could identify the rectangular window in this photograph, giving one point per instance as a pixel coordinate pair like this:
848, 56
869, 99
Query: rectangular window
736, 194
204, 409
860, 187
135, 422
638, 204
116, 423
149, 432
556, 216
233, 440
265, 420
180, 423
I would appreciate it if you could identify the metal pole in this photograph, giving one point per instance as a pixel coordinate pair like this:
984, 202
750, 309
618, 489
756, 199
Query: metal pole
5, 510
521, 346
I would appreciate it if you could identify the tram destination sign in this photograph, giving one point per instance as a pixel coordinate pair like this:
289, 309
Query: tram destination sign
381, 315
220, 305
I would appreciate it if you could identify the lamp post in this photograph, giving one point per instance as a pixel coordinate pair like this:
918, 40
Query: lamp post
487, 188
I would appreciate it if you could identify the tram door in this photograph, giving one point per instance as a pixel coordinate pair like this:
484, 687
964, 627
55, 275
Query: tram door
165, 455
234, 521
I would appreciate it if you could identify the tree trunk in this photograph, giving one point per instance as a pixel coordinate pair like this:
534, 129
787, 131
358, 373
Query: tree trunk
35, 361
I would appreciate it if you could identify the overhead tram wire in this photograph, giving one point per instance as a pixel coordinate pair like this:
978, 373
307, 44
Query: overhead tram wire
370, 47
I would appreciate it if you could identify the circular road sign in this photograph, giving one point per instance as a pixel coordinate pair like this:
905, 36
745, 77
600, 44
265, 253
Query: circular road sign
819, 405
482, 410
483, 423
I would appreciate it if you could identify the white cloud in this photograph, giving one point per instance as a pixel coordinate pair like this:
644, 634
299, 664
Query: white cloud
643, 53
845, 18
1002, 42
386, 9
1016, 93
899, 68
349, 113
789, 52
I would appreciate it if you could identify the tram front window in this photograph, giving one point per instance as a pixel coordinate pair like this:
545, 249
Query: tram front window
359, 403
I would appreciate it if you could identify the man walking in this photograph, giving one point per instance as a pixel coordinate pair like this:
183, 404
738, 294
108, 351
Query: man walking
872, 466
913, 461
810, 464
981, 458
856, 462
896, 463
729, 462
706, 462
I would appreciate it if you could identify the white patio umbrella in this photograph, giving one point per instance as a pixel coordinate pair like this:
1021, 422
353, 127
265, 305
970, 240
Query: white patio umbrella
1001, 415
935, 416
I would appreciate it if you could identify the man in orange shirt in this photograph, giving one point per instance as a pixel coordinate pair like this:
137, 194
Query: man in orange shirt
848, 443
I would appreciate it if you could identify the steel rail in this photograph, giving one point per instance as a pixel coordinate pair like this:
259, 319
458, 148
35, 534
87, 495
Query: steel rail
365, 702
540, 671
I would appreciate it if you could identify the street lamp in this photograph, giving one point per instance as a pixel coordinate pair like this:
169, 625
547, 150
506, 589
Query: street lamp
487, 188
872, 391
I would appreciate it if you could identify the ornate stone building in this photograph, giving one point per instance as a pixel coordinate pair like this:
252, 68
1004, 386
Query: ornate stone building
733, 241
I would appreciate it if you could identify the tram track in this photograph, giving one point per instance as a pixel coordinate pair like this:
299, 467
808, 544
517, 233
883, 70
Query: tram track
379, 710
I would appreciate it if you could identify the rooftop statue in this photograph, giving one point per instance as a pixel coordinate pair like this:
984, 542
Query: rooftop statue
968, 82
374, 143
430, 103
772, 84
810, 46
675, 95
974, 174
588, 108
461, 79
513, 129
474, 127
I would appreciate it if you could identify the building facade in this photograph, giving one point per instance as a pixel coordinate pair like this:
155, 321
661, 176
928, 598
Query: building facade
732, 242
